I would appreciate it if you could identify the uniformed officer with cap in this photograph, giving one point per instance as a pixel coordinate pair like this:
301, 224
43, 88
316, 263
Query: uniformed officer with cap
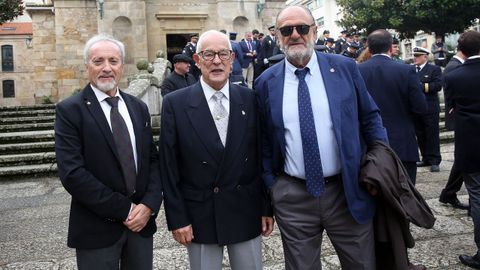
329, 43
189, 51
427, 126
322, 40
179, 78
340, 43
351, 51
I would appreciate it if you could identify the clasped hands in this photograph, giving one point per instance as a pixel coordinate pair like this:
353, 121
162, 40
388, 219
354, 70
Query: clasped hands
138, 217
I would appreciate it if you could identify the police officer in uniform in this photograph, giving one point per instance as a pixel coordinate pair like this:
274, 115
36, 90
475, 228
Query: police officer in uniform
189, 50
427, 125
329, 44
351, 51
340, 43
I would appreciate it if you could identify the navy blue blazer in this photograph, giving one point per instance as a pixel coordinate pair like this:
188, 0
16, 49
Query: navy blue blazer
237, 62
246, 60
217, 189
431, 75
462, 83
355, 118
396, 90
90, 170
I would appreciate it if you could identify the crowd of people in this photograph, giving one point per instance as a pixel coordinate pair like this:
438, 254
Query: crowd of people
322, 144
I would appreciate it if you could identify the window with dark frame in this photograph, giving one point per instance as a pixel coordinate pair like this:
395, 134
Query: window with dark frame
8, 89
7, 58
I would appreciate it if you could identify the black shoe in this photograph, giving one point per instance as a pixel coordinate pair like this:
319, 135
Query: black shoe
471, 261
422, 164
455, 203
435, 168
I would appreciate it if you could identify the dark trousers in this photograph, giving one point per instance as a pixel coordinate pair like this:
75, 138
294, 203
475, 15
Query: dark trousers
428, 136
130, 252
454, 183
411, 167
472, 182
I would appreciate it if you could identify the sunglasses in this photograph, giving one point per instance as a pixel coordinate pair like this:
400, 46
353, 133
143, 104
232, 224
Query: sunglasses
302, 29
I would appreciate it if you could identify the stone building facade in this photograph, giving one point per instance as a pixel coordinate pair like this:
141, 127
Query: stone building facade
61, 27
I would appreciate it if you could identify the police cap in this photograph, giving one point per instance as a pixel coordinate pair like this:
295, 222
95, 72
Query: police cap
181, 58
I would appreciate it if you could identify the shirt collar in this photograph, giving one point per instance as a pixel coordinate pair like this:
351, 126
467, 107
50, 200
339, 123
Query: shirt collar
474, 57
423, 65
459, 59
383, 54
101, 96
209, 91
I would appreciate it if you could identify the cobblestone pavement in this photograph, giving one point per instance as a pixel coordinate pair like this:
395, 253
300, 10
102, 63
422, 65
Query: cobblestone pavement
34, 219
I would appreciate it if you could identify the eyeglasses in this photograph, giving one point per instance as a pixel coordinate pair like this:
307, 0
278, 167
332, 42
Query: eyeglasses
210, 55
302, 29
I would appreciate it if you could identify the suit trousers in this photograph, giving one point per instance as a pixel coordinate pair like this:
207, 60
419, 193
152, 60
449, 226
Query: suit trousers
472, 182
243, 255
428, 136
411, 167
454, 184
130, 252
248, 74
302, 219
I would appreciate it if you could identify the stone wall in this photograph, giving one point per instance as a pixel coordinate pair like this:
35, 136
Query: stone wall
21, 74
75, 23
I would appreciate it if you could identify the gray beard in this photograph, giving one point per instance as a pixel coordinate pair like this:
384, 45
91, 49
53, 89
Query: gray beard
105, 87
298, 57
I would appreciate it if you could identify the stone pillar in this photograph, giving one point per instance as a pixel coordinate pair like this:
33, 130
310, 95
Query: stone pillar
43, 57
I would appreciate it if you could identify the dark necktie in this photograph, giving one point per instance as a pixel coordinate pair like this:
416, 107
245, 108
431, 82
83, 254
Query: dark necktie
124, 145
418, 69
311, 153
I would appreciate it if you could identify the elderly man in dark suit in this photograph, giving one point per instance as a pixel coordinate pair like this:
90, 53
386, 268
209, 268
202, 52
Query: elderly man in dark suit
455, 180
209, 149
462, 83
179, 78
108, 163
427, 126
316, 115
396, 90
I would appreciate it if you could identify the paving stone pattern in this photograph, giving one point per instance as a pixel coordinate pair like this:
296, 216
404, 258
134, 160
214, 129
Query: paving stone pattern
34, 219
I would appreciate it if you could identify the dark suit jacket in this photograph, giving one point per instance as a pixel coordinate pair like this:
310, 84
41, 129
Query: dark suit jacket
396, 90
246, 60
218, 190
449, 117
462, 83
268, 46
398, 202
355, 119
175, 81
431, 75
90, 170
237, 62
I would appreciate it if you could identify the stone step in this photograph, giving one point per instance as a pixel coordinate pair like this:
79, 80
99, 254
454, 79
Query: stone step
447, 137
26, 127
27, 136
32, 147
28, 170
28, 108
35, 113
27, 159
28, 119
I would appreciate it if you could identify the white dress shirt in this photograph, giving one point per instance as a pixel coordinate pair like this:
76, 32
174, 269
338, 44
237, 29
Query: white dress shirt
208, 91
327, 142
122, 108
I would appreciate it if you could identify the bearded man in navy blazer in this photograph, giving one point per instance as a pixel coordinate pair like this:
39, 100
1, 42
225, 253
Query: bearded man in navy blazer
210, 165
316, 116
108, 163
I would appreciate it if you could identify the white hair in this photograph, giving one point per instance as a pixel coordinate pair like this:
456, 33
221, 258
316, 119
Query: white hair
103, 37
204, 35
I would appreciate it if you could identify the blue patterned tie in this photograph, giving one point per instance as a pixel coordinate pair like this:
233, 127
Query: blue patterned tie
311, 153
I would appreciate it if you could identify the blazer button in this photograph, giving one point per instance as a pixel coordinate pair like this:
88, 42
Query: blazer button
239, 187
216, 189
246, 159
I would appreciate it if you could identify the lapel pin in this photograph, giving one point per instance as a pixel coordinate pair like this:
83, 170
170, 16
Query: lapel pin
243, 112
332, 70
88, 103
